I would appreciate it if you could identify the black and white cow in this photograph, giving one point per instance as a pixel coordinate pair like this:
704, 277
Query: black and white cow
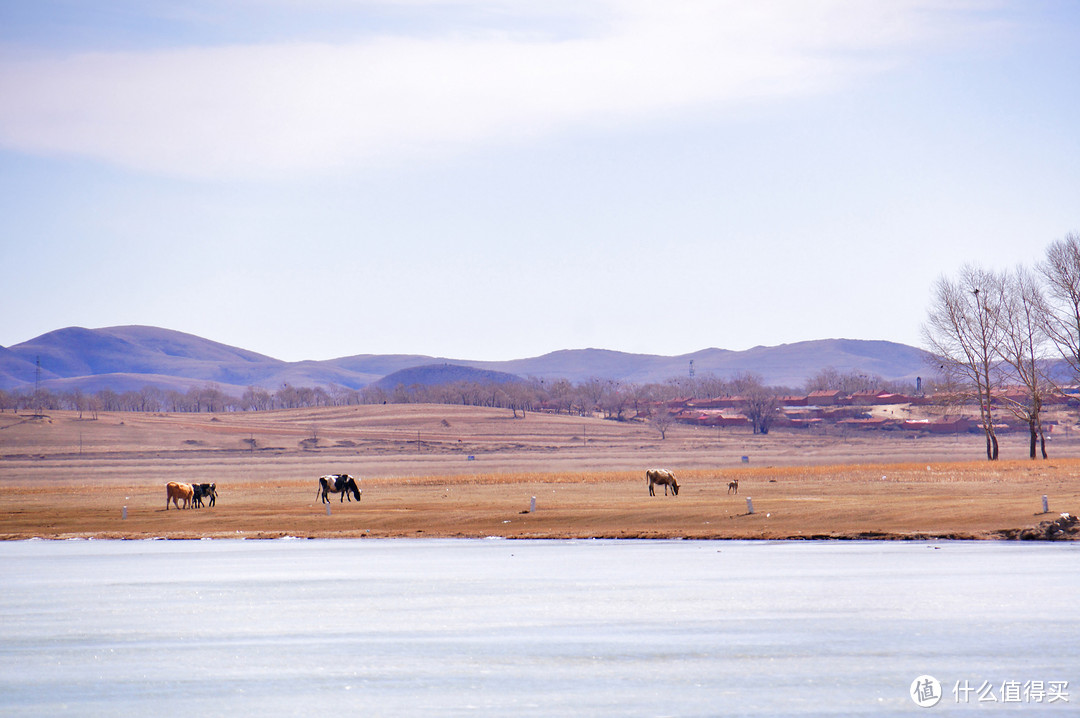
203, 491
338, 484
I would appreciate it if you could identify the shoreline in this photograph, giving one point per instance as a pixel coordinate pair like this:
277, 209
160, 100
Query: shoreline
1064, 528
1004, 535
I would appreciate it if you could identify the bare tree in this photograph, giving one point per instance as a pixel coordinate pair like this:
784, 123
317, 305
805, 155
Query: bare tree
108, 400
662, 420
257, 399
1061, 270
1023, 350
559, 395
591, 392
614, 400
761, 404
94, 406
850, 382
964, 331
374, 395
78, 401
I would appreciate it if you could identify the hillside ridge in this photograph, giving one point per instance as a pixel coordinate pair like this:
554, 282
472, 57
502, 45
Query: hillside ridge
132, 357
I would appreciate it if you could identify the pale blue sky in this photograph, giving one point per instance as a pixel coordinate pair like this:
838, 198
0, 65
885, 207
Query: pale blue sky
481, 179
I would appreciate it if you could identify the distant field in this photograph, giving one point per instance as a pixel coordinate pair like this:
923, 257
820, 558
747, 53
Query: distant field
436, 470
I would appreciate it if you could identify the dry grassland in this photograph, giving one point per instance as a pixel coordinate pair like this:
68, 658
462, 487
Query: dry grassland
64, 477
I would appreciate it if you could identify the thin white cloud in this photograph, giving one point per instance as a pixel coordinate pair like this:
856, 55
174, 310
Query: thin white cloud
275, 109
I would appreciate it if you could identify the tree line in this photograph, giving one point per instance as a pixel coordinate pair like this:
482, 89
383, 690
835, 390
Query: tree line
994, 330
613, 399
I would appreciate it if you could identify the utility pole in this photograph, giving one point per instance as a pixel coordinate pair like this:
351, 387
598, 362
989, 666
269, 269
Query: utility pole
39, 405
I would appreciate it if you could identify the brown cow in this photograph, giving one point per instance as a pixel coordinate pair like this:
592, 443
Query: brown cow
175, 491
662, 477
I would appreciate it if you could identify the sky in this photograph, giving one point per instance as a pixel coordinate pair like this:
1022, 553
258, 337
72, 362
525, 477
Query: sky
499, 179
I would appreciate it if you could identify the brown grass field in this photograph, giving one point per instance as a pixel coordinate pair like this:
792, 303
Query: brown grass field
66, 477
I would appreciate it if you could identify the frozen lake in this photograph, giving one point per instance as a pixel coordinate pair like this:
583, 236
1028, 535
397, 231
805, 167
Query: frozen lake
534, 628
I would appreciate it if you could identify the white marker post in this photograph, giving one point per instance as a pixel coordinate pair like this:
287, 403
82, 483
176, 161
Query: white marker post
1046, 505
532, 505
123, 514
328, 509
749, 505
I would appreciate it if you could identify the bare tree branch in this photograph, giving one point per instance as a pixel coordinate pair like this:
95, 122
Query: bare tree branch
964, 330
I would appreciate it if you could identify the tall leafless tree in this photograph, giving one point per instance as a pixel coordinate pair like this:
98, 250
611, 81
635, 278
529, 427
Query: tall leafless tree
1061, 270
1023, 350
964, 331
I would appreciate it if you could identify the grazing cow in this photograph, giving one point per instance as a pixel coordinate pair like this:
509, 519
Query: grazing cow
175, 491
733, 487
338, 484
662, 477
203, 491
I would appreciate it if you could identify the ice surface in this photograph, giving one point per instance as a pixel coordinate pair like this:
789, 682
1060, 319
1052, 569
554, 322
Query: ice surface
474, 627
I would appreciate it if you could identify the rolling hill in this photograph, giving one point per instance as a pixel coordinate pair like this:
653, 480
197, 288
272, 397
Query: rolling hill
445, 373
783, 365
132, 357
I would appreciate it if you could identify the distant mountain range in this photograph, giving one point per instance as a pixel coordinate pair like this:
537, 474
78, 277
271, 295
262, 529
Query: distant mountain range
132, 357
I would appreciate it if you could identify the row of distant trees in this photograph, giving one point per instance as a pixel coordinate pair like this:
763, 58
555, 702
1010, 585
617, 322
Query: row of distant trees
991, 329
615, 400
